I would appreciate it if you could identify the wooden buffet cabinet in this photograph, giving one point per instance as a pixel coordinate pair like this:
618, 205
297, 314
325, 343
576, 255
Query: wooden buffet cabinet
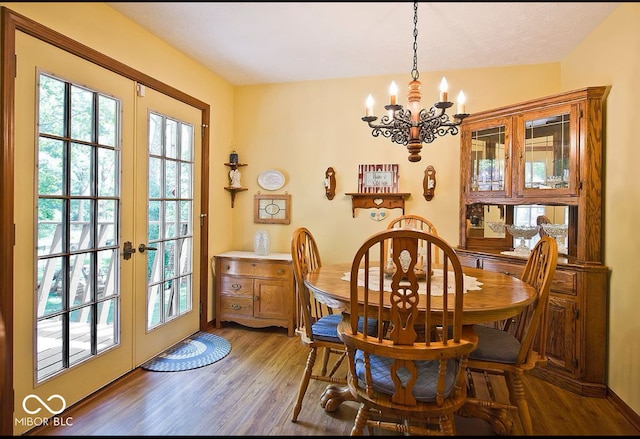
255, 291
544, 159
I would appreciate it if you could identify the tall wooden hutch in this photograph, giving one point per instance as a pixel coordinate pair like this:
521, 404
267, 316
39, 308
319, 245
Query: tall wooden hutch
544, 159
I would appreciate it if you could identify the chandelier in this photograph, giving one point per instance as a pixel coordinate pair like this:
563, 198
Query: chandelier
415, 125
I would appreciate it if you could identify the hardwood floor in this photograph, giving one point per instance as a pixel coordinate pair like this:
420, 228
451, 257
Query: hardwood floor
252, 392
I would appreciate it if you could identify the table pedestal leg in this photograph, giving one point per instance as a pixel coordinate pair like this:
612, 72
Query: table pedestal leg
333, 396
498, 417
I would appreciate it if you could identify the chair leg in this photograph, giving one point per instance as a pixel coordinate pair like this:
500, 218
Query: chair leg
325, 360
519, 399
306, 376
447, 427
360, 421
341, 356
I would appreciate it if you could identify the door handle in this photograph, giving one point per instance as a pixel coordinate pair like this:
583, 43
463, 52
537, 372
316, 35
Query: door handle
128, 250
142, 248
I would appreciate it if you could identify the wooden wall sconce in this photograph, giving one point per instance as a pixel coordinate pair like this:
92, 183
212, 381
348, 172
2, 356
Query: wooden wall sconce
330, 183
429, 183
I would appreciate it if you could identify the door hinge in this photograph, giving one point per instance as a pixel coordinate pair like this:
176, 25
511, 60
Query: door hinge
200, 308
575, 363
576, 314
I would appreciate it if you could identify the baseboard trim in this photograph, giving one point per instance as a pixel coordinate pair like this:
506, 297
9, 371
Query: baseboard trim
624, 409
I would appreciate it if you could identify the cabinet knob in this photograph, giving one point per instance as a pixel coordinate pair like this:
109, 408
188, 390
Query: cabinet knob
256, 298
235, 306
236, 286
281, 271
228, 267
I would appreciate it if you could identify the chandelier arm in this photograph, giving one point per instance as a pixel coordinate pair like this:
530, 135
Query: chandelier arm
430, 114
396, 136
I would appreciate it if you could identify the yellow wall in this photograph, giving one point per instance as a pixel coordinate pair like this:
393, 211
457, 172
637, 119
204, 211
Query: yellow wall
303, 128
611, 56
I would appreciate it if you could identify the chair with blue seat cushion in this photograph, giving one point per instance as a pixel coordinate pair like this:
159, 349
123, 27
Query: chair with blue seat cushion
405, 383
520, 346
317, 323
327, 327
411, 221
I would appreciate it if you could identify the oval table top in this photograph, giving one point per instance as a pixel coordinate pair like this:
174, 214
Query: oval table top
501, 296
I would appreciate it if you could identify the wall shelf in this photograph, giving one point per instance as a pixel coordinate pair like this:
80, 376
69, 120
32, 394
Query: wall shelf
390, 200
234, 190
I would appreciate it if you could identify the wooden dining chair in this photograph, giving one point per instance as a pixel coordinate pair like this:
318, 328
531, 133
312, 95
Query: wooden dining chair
540, 220
520, 346
416, 222
410, 221
402, 382
317, 323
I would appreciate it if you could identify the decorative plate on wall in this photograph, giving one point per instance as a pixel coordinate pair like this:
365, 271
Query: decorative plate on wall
271, 179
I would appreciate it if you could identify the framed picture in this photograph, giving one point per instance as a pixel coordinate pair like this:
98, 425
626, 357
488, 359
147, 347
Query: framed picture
378, 178
272, 209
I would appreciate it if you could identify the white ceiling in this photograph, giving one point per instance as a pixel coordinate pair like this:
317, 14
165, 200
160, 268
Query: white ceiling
267, 42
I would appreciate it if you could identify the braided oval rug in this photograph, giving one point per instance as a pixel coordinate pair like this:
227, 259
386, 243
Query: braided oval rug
201, 349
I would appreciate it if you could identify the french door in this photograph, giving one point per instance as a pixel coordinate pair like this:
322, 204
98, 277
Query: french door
107, 228
167, 222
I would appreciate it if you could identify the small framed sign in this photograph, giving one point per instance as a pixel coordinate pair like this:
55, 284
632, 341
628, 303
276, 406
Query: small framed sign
378, 178
272, 209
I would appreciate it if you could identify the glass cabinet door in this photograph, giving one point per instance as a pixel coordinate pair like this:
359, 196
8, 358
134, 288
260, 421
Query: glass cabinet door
546, 144
485, 160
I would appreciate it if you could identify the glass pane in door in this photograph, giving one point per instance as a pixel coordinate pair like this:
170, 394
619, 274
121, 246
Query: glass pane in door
77, 224
488, 159
170, 219
547, 152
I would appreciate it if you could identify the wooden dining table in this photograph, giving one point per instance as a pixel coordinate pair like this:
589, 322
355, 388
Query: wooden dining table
501, 296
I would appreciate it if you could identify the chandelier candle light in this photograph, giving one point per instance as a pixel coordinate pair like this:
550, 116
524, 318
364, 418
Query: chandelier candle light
415, 125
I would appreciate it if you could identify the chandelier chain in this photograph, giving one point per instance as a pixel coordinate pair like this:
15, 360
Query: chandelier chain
414, 72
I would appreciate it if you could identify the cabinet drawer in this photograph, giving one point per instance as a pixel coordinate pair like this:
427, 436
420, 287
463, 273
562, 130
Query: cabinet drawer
503, 267
468, 261
255, 269
236, 286
565, 282
236, 305
562, 282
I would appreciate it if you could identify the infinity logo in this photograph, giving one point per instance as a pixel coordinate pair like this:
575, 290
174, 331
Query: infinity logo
44, 404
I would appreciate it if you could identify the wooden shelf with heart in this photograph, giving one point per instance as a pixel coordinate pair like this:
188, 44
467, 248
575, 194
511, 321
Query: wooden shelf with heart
388, 200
